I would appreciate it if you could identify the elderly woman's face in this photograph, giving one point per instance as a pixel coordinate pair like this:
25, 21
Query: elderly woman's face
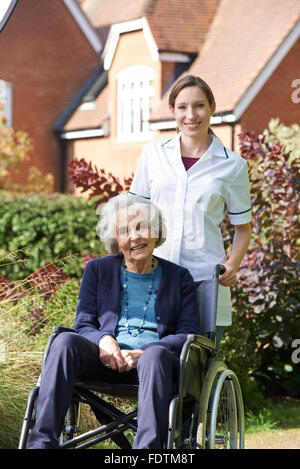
134, 238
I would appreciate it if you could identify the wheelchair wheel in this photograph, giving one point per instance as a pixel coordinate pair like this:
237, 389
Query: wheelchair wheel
221, 413
29, 418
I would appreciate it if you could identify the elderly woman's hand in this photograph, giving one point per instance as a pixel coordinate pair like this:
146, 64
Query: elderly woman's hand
110, 354
131, 357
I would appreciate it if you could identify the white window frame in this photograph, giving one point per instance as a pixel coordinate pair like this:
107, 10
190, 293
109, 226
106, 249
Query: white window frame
6, 99
135, 91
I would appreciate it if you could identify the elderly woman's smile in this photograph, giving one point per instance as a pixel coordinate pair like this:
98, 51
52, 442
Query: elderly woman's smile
139, 247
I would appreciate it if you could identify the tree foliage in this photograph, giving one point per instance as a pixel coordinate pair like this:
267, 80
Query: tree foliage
16, 148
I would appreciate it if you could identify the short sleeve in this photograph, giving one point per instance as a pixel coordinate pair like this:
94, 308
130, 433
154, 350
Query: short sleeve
238, 198
140, 183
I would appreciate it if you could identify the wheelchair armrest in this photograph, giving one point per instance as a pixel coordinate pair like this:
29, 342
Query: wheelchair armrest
194, 343
201, 340
59, 329
194, 340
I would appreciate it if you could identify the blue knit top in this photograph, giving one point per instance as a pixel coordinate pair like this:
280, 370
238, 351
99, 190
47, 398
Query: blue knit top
137, 293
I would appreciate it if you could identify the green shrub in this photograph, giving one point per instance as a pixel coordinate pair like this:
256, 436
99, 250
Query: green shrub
40, 229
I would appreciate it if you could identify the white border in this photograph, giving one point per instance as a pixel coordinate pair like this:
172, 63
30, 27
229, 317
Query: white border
171, 124
79, 134
163, 125
8, 104
174, 57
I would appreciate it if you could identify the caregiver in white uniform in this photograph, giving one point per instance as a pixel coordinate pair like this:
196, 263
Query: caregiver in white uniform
195, 180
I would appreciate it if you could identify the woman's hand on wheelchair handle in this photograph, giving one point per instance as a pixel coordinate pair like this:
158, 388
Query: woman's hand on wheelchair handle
229, 277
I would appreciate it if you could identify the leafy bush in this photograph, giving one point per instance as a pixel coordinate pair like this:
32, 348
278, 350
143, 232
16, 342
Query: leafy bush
288, 136
40, 229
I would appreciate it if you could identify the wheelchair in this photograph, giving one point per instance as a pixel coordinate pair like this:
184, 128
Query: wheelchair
206, 411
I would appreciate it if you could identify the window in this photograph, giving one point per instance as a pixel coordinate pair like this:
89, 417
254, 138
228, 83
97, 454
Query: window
6, 102
135, 94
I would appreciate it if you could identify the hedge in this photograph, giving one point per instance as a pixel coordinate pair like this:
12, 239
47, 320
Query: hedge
40, 229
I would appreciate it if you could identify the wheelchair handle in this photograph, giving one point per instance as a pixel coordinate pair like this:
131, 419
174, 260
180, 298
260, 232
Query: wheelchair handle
220, 269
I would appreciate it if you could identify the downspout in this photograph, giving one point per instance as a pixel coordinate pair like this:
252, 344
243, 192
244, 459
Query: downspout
232, 136
62, 164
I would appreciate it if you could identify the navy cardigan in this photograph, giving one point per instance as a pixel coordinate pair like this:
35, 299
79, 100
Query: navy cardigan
99, 307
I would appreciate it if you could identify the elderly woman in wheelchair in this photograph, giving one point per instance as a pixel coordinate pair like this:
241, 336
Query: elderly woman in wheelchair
133, 316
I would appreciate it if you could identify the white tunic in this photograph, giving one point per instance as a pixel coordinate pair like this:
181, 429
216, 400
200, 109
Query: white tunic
194, 203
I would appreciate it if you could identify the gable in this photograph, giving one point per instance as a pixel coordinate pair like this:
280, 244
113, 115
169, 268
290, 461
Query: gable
116, 30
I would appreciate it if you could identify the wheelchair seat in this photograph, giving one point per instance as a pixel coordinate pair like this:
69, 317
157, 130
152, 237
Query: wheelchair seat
127, 391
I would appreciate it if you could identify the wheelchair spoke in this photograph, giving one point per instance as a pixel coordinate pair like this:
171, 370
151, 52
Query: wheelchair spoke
221, 413
225, 425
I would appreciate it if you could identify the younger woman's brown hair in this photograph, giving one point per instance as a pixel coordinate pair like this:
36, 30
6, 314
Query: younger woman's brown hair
191, 80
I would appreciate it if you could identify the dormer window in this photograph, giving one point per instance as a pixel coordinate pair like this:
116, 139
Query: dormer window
135, 94
6, 102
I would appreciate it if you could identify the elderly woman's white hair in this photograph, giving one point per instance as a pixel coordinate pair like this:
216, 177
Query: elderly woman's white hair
109, 212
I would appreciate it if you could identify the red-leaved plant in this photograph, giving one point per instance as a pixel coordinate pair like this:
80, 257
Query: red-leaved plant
45, 281
95, 182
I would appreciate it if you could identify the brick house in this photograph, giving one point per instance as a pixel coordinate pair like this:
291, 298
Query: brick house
48, 50
115, 97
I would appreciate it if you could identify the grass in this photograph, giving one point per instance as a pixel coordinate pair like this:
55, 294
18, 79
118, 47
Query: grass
26, 320
280, 414
276, 427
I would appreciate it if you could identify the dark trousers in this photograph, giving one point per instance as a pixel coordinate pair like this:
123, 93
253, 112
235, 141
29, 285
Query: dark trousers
71, 358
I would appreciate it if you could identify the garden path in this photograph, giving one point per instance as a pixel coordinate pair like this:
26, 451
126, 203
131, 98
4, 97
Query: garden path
281, 439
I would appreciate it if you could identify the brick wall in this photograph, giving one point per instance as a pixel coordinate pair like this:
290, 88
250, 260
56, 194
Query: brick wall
46, 57
274, 99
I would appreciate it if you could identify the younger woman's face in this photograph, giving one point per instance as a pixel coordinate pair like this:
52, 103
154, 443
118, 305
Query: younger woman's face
192, 111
